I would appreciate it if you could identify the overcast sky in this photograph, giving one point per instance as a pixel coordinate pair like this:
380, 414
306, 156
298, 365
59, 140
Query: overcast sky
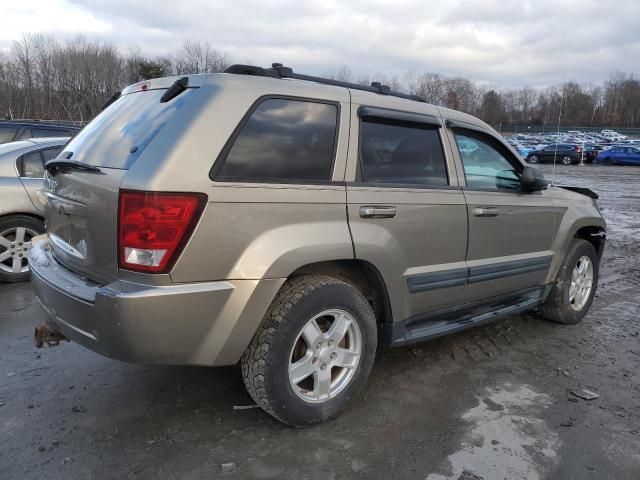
506, 43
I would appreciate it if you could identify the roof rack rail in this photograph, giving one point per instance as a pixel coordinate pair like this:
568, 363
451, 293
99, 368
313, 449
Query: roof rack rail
277, 70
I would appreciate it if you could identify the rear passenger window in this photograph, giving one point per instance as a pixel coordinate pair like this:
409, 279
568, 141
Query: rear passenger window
405, 154
49, 153
284, 140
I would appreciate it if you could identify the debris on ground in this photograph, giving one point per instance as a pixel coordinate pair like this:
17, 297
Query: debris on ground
228, 467
244, 407
45, 334
586, 394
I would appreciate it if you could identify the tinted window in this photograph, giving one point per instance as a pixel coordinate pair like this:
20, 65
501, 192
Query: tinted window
49, 153
486, 161
401, 154
7, 134
119, 135
32, 165
284, 140
26, 133
44, 132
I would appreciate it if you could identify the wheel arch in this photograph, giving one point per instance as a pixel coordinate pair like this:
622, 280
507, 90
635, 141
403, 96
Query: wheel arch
22, 214
361, 274
589, 228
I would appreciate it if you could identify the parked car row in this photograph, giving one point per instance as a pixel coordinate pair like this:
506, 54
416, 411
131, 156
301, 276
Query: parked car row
573, 147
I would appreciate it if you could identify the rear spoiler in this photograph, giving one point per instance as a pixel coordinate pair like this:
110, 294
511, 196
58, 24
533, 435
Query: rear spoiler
581, 190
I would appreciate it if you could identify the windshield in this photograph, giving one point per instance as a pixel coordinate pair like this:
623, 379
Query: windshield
119, 135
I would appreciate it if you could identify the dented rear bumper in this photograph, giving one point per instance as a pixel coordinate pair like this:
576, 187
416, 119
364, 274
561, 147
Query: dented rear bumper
205, 323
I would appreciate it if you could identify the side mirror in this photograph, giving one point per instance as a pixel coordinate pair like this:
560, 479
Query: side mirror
532, 179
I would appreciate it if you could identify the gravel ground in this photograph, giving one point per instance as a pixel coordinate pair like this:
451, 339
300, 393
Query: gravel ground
490, 403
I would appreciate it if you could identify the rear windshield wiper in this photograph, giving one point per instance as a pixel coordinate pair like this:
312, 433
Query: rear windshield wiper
60, 163
176, 89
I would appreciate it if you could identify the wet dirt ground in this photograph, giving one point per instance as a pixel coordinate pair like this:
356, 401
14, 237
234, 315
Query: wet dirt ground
490, 403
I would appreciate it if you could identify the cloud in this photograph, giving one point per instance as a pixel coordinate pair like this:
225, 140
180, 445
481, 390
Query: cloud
506, 43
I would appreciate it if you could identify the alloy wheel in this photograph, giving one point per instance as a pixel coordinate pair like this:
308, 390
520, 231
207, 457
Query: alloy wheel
325, 356
15, 244
581, 283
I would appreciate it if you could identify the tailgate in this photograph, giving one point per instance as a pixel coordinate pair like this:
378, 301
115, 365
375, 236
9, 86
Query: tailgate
81, 212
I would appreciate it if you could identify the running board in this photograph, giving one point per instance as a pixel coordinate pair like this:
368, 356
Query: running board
453, 320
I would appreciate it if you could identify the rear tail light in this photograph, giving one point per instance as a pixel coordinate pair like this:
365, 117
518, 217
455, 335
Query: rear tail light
154, 227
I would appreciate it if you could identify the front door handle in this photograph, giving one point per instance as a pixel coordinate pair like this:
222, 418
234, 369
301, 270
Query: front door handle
378, 211
486, 211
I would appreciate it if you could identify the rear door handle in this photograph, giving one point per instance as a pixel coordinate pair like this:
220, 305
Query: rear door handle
486, 212
378, 211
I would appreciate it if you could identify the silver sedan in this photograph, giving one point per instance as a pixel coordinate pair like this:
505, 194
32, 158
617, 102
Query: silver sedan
21, 213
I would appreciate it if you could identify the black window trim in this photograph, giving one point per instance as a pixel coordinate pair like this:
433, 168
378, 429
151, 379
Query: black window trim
400, 116
518, 166
381, 113
222, 156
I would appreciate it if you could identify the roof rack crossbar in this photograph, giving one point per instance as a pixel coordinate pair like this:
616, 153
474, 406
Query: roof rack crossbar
277, 70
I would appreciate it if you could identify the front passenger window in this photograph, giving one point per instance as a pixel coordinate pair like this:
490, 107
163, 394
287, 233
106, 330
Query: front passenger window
485, 162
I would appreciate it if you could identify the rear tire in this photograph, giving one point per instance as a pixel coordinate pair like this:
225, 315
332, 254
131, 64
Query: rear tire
567, 160
569, 301
296, 340
16, 232
533, 159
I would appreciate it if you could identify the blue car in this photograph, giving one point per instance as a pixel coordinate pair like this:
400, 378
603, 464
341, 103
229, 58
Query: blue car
619, 156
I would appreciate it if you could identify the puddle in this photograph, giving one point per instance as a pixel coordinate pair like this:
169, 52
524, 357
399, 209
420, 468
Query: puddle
506, 438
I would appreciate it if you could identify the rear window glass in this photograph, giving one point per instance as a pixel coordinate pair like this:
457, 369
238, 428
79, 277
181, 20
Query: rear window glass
119, 135
46, 132
7, 134
284, 140
32, 165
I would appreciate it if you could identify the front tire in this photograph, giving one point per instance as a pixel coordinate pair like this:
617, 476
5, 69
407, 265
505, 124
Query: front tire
313, 352
533, 159
574, 290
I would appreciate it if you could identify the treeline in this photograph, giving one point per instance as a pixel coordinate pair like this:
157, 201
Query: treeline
43, 78
616, 103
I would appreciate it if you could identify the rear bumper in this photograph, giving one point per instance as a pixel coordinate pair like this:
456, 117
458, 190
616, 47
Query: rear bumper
207, 323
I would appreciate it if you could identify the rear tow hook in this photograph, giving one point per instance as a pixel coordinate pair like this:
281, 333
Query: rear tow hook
45, 334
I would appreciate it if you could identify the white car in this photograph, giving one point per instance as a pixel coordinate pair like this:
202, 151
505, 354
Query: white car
21, 213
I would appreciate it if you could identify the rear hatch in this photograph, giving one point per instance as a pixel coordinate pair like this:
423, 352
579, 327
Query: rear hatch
81, 210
